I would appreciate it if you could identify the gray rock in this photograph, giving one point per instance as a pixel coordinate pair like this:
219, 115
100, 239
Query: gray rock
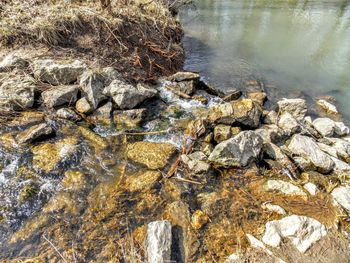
58, 73
308, 149
16, 92
222, 133
158, 242
83, 106
239, 151
270, 117
61, 95
340, 166
301, 230
271, 133
67, 114
196, 162
342, 147
11, 61
184, 76
187, 87
127, 96
102, 115
296, 107
109, 74
92, 85
34, 133
284, 187
329, 128
288, 123
341, 195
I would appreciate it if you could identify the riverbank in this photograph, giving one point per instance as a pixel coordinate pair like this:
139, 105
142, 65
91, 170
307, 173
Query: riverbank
98, 167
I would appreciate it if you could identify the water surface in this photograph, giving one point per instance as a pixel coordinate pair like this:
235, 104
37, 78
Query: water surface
299, 47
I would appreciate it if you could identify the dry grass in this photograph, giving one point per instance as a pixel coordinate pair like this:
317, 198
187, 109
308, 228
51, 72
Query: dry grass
139, 37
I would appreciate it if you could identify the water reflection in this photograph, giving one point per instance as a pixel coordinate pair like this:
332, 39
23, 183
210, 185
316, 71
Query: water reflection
296, 45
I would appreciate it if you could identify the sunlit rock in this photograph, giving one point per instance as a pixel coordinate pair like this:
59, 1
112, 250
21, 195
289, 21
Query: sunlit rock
92, 85
199, 219
284, 187
327, 106
158, 242
142, 180
151, 154
274, 208
288, 123
61, 95
301, 230
83, 106
184, 76
296, 107
68, 114
34, 133
341, 195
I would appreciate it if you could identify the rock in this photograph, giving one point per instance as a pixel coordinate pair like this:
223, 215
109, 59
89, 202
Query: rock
109, 74
222, 133
342, 147
68, 114
328, 107
199, 219
288, 123
270, 117
308, 149
142, 180
11, 61
96, 141
296, 107
127, 96
158, 241
233, 258
232, 95
34, 133
284, 187
328, 127
102, 115
58, 73
244, 112
341, 195
58, 96
153, 155
341, 129
340, 166
74, 180
28, 118
16, 92
239, 151
196, 162
259, 97
256, 243
303, 232
186, 87
83, 106
184, 76
311, 188
46, 156
92, 85
274, 208
129, 119
271, 133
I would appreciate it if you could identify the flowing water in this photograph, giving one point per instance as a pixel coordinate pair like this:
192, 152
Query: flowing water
297, 47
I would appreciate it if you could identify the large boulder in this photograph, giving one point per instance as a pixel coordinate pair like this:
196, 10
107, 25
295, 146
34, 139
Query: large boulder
239, 151
92, 85
308, 149
301, 230
11, 61
158, 242
127, 96
151, 154
16, 92
58, 73
61, 95
245, 112
296, 107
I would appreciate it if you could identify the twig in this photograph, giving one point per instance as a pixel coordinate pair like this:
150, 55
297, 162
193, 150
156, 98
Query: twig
63, 258
179, 93
187, 180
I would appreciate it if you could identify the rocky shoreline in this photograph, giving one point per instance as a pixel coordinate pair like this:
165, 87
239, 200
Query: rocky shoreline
221, 147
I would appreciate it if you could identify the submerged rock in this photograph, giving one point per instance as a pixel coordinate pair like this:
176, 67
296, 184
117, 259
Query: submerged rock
308, 149
158, 242
127, 96
303, 232
327, 106
341, 195
141, 181
74, 180
58, 73
128, 119
11, 62
92, 85
17, 92
61, 95
153, 155
296, 107
239, 151
34, 133
196, 162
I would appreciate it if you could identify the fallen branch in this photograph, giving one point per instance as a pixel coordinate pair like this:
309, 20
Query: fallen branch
55, 248
187, 180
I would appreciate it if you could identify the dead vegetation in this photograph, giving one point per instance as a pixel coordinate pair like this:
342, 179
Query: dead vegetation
140, 38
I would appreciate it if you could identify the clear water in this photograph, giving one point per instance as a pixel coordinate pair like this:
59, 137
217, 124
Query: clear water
299, 47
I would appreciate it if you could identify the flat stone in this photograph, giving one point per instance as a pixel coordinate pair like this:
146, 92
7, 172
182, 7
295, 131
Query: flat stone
34, 133
61, 95
58, 73
151, 154
239, 151
341, 195
158, 242
296, 107
284, 187
308, 149
301, 230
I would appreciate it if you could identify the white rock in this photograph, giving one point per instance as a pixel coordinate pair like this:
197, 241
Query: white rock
311, 188
324, 126
340, 166
341, 146
296, 107
233, 258
288, 123
158, 241
328, 107
341, 195
283, 187
274, 208
303, 232
341, 129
